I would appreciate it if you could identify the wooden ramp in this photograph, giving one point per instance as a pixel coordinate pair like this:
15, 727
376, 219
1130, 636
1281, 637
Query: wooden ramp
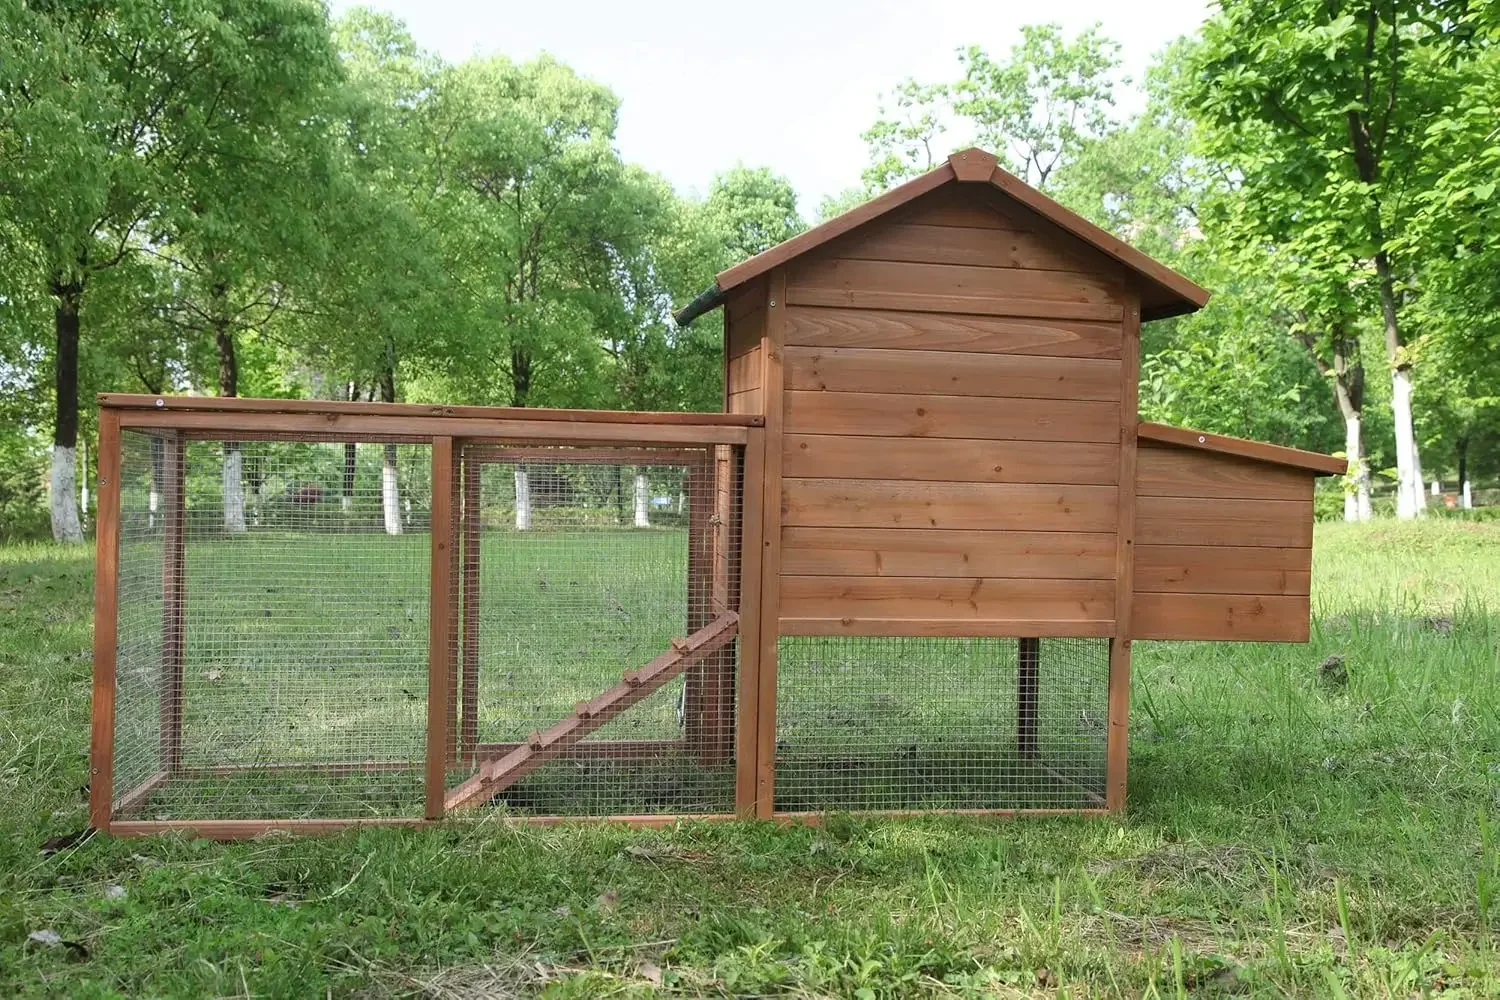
494, 776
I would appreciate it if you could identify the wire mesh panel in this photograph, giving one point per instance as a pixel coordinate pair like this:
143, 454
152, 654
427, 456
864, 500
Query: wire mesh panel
273, 623
597, 662
940, 723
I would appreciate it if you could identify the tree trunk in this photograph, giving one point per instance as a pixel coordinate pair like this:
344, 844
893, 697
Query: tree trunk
520, 376
64, 481
1409, 500
1349, 391
523, 500
390, 489
642, 501
158, 470
234, 459
1463, 472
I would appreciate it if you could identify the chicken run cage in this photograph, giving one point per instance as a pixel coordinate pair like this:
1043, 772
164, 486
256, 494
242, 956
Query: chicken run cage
900, 573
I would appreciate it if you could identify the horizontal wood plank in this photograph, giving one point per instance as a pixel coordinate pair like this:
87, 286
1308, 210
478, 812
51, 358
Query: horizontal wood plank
1220, 617
1165, 471
945, 598
879, 503
903, 415
959, 627
1198, 521
949, 206
744, 372
1312, 461
831, 456
952, 373
813, 327
1223, 569
747, 401
1060, 555
967, 245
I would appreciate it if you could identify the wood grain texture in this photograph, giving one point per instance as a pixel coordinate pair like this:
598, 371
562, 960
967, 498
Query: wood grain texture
898, 552
1275, 454
747, 714
902, 415
173, 600
1197, 521
857, 369
1247, 618
920, 243
945, 598
955, 206
106, 623
1223, 569
885, 503
743, 372
1117, 739
1167, 471
773, 347
894, 330
850, 625
439, 641
831, 456
748, 401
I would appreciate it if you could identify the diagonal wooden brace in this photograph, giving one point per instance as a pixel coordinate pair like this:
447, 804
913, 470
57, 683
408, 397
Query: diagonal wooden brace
494, 776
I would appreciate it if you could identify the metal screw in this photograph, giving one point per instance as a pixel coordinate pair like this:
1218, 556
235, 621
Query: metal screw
773, 303
1202, 439
161, 402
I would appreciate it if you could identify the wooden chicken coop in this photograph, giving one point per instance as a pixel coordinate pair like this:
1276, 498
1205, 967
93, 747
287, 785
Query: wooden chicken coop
901, 573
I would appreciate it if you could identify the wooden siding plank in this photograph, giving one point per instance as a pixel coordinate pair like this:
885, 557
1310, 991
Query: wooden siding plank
1275, 454
752, 629
1196, 521
748, 401
881, 503
106, 624
919, 243
743, 373
1117, 736
899, 552
1164, 471
856, 369
439, 640
773, 345
1223, 569
945, 598
951, 460
813, 327
903, 415
1015, 307
1246, 618
960, 627
955, 207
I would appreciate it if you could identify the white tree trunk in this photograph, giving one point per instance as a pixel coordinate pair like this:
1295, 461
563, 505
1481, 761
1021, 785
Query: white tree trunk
234, 489
390, 492
523, 501
64, 495
1467, 497
642, 501
1356, 500
1437, 488
1409, 499
83, 486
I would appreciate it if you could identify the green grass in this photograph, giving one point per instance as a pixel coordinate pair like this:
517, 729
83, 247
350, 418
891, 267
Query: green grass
1288, 835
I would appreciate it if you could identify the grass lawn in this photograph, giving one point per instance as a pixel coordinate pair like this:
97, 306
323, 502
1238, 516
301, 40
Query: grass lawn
1291, 832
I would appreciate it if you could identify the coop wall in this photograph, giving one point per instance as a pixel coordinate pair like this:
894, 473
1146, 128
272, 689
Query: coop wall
1223, 547
952, 427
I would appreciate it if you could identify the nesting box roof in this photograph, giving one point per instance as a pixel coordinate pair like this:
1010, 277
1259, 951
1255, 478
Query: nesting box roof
1164, 292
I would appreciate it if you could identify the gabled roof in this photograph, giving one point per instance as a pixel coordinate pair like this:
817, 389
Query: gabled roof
1164, 292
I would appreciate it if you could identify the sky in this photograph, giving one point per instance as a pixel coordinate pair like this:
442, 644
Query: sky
788, 84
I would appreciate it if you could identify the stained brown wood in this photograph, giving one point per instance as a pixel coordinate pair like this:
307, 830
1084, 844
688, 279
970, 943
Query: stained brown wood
920, 243
945, 597
472, 533
173, 600
248, 829
708, 695
972, 165
1010, 306
1168, 471
322, 407
128, 802
1028, 677
835, 456
439, 641
1312, 461
1247, 618
1117, 737
898, 552
955, 206
751, 627
899, 415
457, 629
106, 605
853, 369
1194, 521
745, 301
748, 401
1223, 569
879, 503
892, 330
743, 373
773, 380
1010, 628
248, 425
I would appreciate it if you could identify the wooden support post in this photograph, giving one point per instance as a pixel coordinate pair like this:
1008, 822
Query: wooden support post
439, 639
1118, 750
1028, 679
772, 350
173, 602
471, 537
708, 698
106, 598
748, 698
455, 585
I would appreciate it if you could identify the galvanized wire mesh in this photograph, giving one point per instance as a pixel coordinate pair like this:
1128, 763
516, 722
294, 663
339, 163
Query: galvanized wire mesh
581, 564
940, 723
273, 617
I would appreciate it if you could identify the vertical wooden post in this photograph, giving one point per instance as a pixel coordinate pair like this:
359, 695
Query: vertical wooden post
173, 601
1118, 750
439, 637
748, 700
1028, 681
106, 604
706, 722
471, 536
772, 349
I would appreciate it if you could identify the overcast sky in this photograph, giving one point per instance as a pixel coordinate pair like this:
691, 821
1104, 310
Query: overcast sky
788, 84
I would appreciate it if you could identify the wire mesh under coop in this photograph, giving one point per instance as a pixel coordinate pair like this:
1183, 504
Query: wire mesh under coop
576, 564
940, 723
272, 628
